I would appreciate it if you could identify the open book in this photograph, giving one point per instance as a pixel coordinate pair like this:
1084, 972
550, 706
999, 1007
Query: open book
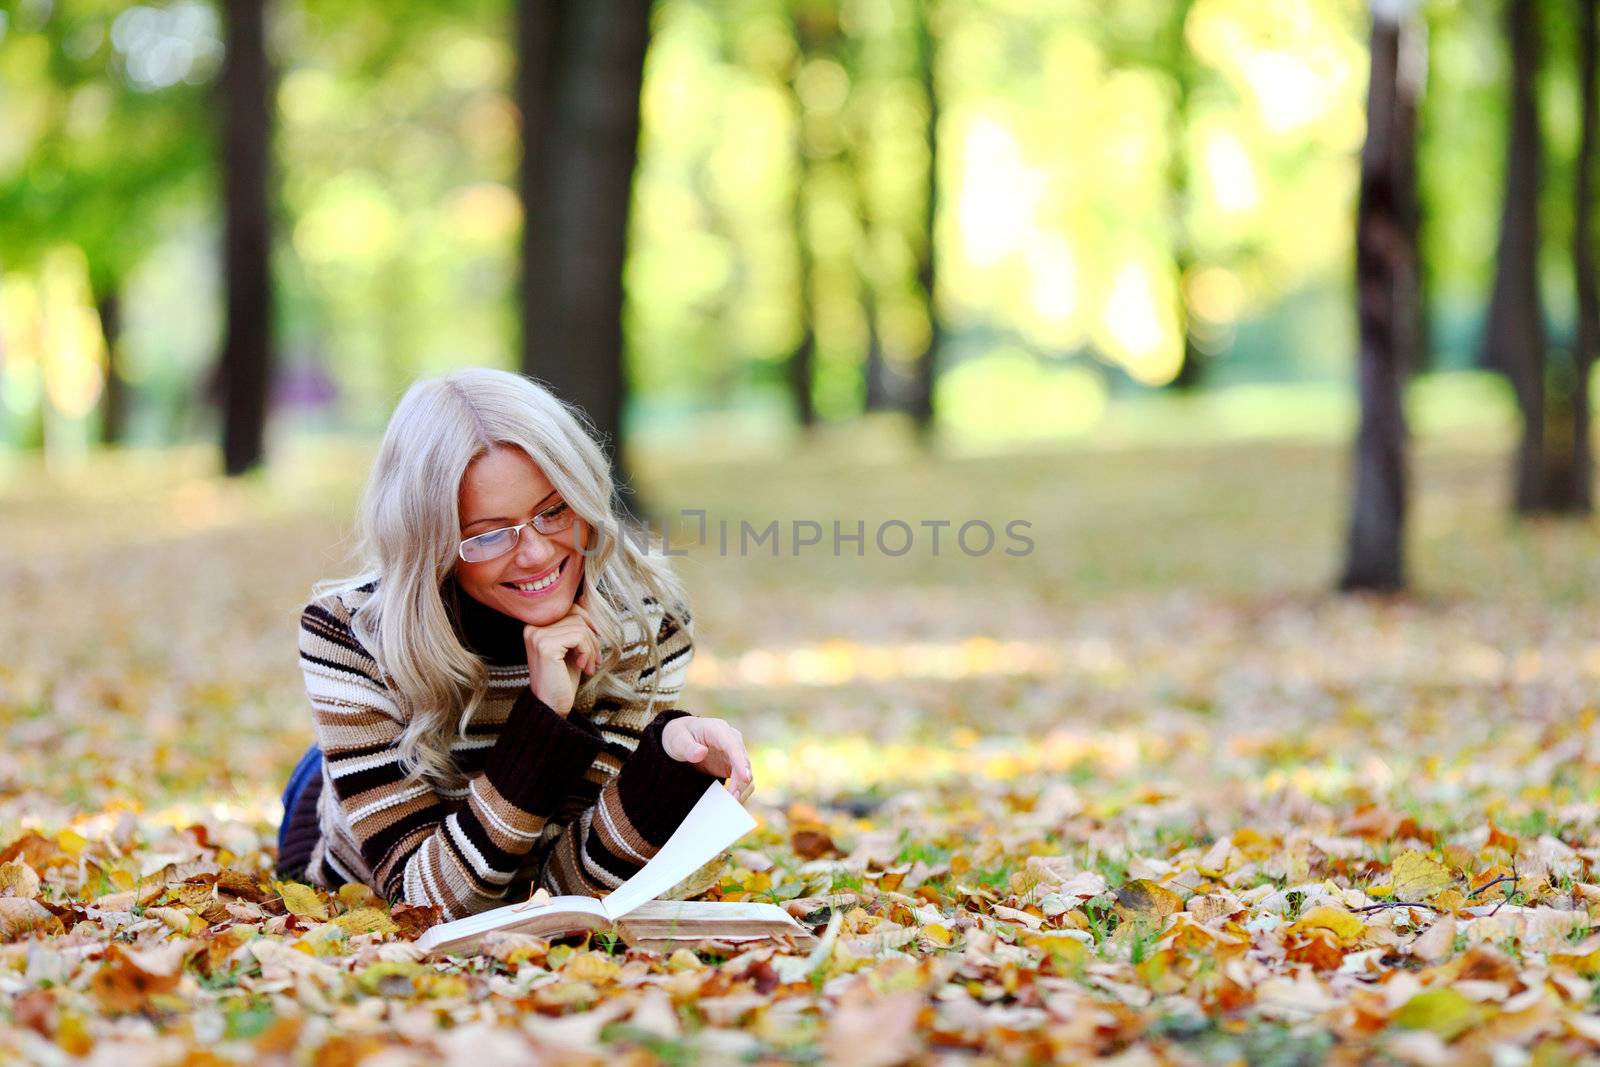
631, 910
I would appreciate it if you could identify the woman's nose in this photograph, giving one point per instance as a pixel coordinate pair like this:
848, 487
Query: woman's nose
535, 551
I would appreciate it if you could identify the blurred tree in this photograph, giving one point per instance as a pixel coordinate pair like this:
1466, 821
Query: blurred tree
1180, 63
1551, 470
1386, 300
94, 70
925, 368
581, 68
1581, 473
245, 370
816, 33
880, 378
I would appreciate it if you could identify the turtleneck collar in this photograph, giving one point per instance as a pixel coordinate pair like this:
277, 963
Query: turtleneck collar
495, 636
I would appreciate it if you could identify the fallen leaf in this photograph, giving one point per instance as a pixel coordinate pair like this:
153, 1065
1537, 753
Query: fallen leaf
1443, 1012
302, 900
17, 879
1416, 877
878, 1033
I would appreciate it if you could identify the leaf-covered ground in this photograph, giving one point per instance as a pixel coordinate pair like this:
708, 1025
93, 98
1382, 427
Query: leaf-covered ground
1147, 793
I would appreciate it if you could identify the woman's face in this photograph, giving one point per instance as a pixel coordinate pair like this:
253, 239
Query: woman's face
503, 487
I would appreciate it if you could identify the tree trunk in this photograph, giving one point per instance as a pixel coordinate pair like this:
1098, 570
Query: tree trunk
246, 366
880, 377
925, 368
578, 188
802, 361
1191, 369
538, 27
1579, 490
1514, 330
1386, 264
114, 399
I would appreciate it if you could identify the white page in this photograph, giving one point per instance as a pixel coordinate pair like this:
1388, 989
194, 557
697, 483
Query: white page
716, 821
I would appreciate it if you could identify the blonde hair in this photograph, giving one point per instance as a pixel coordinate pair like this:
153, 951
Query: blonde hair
409, 528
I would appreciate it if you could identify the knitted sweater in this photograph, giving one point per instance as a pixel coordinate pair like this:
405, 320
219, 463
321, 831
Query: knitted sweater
577, 803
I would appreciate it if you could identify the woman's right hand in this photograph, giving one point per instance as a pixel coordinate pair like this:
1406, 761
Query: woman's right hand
558, 654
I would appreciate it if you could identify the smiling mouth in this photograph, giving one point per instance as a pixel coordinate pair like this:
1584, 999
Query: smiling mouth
541, 584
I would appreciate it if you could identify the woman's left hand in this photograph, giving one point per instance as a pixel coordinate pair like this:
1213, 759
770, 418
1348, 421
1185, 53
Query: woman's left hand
713, 746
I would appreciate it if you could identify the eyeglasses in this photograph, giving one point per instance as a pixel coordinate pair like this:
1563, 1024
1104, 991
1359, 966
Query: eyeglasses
487, 546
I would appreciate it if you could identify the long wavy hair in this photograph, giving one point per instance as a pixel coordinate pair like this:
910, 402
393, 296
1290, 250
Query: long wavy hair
409, 528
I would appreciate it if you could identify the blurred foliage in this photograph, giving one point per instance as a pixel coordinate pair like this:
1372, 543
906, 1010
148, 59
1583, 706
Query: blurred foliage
397, 146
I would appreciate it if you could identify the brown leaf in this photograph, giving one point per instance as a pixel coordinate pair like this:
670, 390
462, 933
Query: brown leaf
1437, 942
413, 920
876, 1034
32, 849
813, 844
127, 979
22, 915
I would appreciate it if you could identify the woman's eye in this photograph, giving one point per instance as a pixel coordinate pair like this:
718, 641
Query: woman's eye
555, 511
492, 538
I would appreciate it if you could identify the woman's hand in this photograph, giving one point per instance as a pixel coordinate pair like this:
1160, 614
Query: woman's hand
558, 654
712, 745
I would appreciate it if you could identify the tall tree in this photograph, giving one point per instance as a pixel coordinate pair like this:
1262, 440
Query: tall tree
1553, 464
581, 72
1514, 338
245, 371
1181, 66
1386, 288
1581, 474
925, 368
816, 31
84, 183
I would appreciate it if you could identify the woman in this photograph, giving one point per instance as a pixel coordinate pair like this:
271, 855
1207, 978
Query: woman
489, 711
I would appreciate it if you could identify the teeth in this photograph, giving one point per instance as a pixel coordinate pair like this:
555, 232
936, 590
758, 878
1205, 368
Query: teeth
532, 587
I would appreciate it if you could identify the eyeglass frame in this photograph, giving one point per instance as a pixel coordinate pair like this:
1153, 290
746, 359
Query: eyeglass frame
461, 548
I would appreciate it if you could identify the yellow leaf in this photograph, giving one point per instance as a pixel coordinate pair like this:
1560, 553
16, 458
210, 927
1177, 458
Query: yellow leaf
302, 900
1144, 899
390, 978
938, 934
355, 895
1068, 950
1443, 1011
591, 967
683, 960
366, 921
1343, 925
71, 842
17, 879
1416, 877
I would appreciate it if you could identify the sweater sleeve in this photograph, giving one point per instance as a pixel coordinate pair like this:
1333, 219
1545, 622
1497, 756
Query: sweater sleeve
640, 806
411, 846
637, 812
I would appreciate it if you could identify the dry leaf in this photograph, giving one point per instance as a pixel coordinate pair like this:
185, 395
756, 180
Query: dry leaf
20, 916
1416, 877
17, 879
302, 900
878, 1033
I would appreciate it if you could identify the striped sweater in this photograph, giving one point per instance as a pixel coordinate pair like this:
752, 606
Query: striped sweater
577, 804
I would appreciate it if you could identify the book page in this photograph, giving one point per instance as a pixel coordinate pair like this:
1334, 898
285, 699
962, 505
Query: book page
513, 917
716, 821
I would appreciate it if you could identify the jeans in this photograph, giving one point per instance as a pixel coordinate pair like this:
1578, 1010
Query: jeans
304, 773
